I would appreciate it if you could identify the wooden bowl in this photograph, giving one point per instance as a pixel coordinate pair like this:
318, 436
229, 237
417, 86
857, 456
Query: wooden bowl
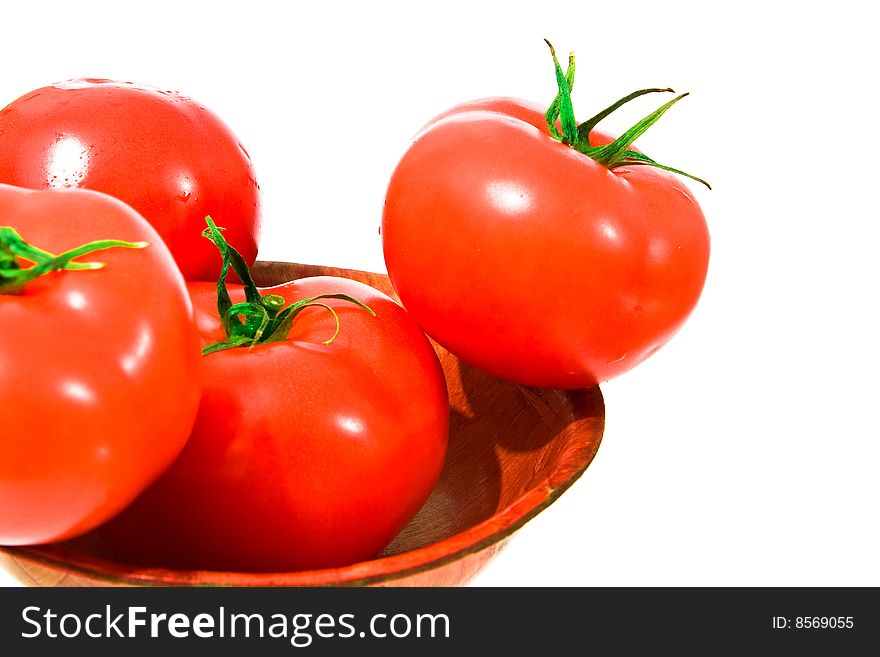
513, 451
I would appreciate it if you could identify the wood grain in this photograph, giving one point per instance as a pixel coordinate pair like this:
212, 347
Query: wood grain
513, 450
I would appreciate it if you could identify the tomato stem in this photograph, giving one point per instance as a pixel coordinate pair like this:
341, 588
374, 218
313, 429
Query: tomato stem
260, 318
553, 111
618, 153
14, 249
561, 106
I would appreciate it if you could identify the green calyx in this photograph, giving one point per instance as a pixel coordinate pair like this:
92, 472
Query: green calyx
618, 153
14, 249
259, 318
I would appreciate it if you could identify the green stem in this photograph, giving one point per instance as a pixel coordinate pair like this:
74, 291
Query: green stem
618, 153
260, 318
14, 249
561, 106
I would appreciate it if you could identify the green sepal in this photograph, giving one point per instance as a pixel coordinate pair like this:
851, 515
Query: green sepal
13, 248
561, 107
286, 317
618, 153
610, 154
585, 128
260, 318
634, 158
228, 344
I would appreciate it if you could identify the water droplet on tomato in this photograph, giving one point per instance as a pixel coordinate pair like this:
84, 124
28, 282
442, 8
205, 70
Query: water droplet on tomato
184, 189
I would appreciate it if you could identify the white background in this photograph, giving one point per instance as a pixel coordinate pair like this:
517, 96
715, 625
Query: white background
743, 453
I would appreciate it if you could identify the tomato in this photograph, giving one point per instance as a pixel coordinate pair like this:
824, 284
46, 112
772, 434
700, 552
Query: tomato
99, 369
532, 260
304, 454
164, 154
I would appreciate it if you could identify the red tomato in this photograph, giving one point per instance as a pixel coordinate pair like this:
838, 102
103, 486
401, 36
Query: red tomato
168, 157
304, 455
532, 261
99, 369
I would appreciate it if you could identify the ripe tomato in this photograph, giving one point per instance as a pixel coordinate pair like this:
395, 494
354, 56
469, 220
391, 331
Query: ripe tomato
304, 454
98, 369
168, 157
533, 261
